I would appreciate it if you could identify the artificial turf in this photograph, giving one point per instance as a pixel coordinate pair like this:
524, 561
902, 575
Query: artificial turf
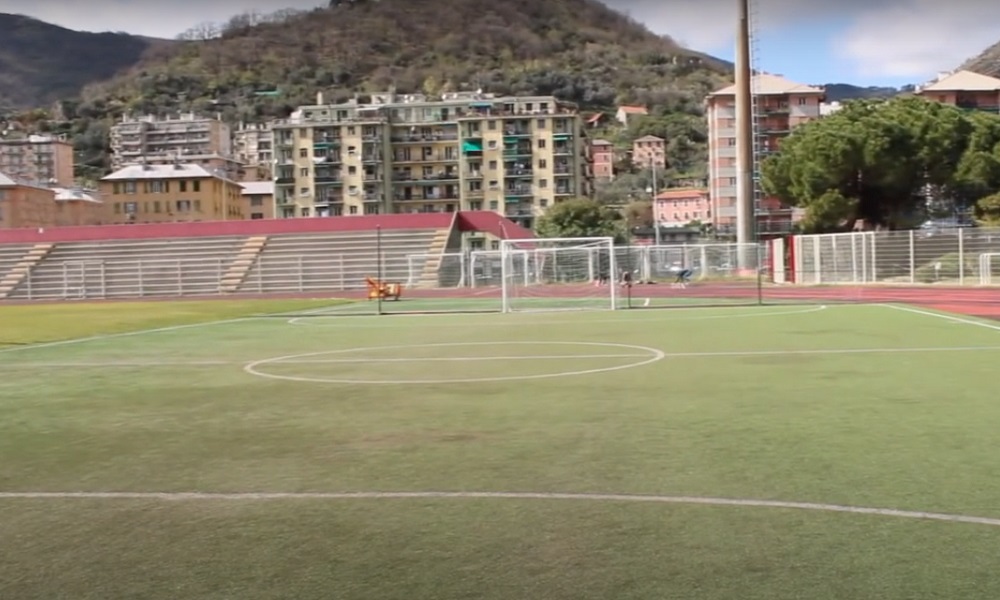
852, 405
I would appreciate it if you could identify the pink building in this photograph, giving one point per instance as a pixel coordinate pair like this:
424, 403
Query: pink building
649, 151
964, 89
680, 206
782, 106
602, 153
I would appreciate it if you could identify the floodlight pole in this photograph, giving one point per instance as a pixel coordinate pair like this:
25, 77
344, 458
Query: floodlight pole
744, 136
378, 267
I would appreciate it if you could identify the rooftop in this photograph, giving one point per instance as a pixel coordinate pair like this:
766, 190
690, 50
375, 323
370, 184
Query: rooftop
172, 171
258, 188
962, 81
650, 138
676, 193
766, 84
66, 195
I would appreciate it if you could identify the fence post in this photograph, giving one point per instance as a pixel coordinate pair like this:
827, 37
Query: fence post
874, 258
913, 258
961, 256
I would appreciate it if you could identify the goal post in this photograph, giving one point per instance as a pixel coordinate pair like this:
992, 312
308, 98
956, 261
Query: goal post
559, 274
988, 263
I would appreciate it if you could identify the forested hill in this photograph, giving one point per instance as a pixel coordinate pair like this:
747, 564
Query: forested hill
41, 63
579, 50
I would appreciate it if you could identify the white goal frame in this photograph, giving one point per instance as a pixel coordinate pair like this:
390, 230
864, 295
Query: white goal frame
516, 247
986, 267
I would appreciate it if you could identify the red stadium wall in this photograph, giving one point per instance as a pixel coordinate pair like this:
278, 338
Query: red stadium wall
469, 221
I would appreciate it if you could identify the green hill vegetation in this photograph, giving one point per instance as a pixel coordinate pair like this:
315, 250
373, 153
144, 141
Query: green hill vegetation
258, 67
41, 63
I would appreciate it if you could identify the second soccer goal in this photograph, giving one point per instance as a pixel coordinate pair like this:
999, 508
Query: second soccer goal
559, 274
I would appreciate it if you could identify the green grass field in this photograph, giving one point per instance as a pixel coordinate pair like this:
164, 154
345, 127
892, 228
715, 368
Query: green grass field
665, 431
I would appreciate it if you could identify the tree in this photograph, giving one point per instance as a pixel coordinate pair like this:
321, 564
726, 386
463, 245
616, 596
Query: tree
988, 209
639, 214
882, 161
581, 218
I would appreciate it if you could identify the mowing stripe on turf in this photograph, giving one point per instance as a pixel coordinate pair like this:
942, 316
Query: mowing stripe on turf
719, 354
699, 500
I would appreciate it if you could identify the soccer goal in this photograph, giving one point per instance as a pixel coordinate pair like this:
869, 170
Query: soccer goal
989, 268
559, 274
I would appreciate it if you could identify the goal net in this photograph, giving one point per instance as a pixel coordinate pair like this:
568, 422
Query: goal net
559, 274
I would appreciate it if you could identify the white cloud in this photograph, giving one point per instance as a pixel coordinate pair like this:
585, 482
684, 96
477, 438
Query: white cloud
917, 38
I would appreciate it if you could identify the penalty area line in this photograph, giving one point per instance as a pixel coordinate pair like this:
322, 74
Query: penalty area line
593, 497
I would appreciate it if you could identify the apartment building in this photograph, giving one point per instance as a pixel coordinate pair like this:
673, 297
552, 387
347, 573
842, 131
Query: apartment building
602, 157
964, 89
402, 154
649, 152
229, 167
258, 199
40, 159
170, 193
679, 206
149, 137
26, 205
253, 145
780, 105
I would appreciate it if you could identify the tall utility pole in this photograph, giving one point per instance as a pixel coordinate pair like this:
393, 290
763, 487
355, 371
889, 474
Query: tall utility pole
654, 193
744, 134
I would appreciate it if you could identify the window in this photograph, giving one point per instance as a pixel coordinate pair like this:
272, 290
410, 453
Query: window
543, 164
304, 172
303, 153
184, 185
475, 206
494, 205
131, 208
304, 211
540, 124
491, 125
493, 165
492, 145
303, 133
196, 185
543, 202
352, 170
197, 205
803, 101
116, 188
183, 206
543, 183
541, 143
256, 216
256, 201
352, 210
156, 206
118, 208
130, 187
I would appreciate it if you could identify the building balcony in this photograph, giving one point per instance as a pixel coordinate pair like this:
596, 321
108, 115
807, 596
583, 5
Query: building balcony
428, 198
284, 181
514, 213
562, 150
437, 158
515, 132
371, 198
439, 178
475, 194
473, 175
328, 200
519, 174
517, 193
324, 160
775, 109
423, 139
564, 191
517, 152
562, 170
328, 179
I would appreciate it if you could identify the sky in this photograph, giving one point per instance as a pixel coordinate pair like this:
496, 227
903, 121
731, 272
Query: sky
863, 42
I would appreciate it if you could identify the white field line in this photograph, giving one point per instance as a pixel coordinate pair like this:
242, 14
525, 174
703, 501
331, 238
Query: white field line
293, 361
656, 499
111, 336
944, 317
540, 318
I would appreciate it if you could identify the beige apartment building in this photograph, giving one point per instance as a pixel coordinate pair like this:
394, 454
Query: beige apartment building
149, 137
170, 193
964, 89
41, 160
781, 105
408, 154
253, 145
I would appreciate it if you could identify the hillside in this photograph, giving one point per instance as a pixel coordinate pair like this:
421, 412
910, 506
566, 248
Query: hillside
579, 50
41, 63
987, 63
839, 92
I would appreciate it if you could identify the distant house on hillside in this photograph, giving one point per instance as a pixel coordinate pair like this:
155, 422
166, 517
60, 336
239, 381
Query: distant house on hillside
602, 155
649, 151
630, 112
596, 120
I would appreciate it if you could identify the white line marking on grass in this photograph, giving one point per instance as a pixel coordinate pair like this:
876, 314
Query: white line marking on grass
650, 355
656, 499
111, 336
944, 317
540, 319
